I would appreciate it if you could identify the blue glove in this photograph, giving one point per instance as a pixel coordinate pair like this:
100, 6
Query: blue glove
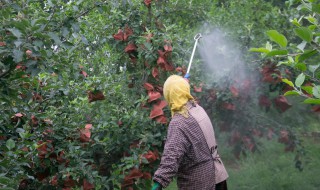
156, 186
187, 76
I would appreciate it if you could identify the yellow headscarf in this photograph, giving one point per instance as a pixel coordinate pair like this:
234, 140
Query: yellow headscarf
176, 91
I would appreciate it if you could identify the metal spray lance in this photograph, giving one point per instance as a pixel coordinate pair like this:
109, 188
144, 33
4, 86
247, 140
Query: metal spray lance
196, 38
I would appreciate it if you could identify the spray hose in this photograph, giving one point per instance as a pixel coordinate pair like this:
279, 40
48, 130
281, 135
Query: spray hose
196, 38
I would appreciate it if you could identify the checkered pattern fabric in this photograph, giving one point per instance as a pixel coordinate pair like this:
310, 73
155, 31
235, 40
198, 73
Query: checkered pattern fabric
187, 156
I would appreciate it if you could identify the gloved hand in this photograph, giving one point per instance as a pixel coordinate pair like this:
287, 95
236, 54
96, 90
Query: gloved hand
156, 186
187, 76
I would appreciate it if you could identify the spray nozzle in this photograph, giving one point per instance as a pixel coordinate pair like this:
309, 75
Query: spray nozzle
196, 38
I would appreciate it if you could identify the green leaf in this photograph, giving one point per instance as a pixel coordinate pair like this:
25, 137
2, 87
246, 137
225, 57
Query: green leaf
260, 50
293, 92
307, 54
277, 52
316, 8
17, 55
55, 37
278, 38
313, 68
301, 66
10, 144
308, 89
288, 82
15, 32
300, 80
304, 33
312, 101
316, 91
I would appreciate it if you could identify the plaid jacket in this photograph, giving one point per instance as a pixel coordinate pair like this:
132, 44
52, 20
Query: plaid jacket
187, 155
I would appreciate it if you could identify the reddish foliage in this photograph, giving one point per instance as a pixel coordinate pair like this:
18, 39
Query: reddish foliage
155, 72
229, 106
129, 179
148, 86
2, 43
284, 136
234, 91
95, 96
150, 156
155, 112
34, 121
270, 133
87, 185
160, 104
148, 37
85, 133
248, 143
316, 108
84, 73
123, 36
69, 182
43, 175
271, 74
147, 2
281, 103
197, 89
119, 35
54, 180
167, 48
146, 175
44, 148
264, 101
131, 47
162, 119
37, 97
153, 96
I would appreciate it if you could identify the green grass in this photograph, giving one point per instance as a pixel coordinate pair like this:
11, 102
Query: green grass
272, 169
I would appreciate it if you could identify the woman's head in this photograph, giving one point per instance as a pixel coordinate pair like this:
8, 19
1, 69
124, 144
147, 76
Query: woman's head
176, 91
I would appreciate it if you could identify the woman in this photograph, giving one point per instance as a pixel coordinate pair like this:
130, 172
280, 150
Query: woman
186, 153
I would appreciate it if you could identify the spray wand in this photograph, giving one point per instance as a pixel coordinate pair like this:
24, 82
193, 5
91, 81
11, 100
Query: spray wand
196, 38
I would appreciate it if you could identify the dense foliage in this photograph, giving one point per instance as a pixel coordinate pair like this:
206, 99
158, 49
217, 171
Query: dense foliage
81, 84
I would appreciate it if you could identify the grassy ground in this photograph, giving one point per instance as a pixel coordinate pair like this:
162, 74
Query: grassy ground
272, 169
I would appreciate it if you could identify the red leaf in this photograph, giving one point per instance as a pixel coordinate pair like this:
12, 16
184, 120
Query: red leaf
284, 136
153, 96
127, 32
155, 112
85, 135
134, 174
119, 36
270, 133
54, 181
88, 126
83, 73
281, 102
95, 96
18, 115
316, 108
155, 72
146, 175
130, 48
147, 2
160, 104
161, 62
264, 101
234, 91
162, 119
197, 89
168, 66
228, 106
2, 43
68, 182
148, 86
168, 48
150, 156
87, 185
